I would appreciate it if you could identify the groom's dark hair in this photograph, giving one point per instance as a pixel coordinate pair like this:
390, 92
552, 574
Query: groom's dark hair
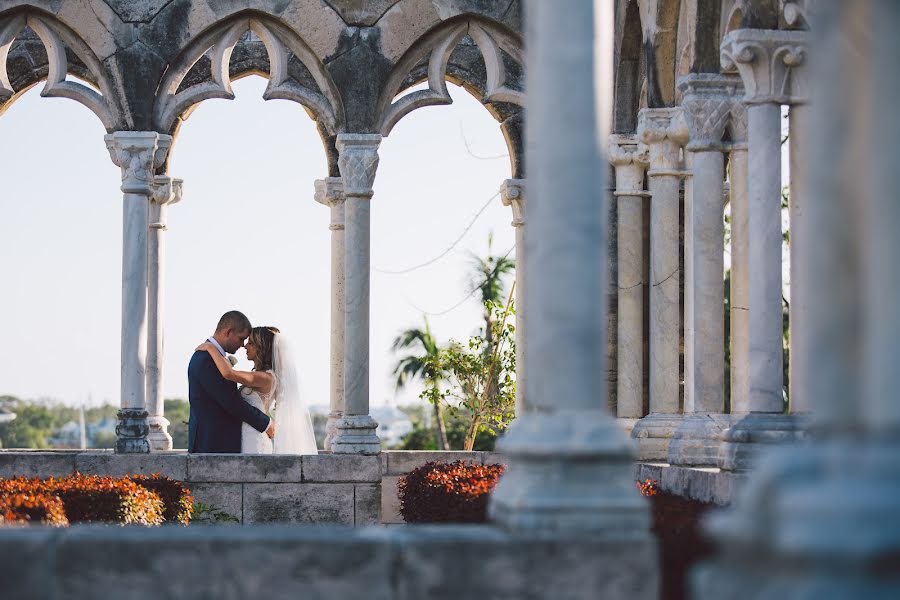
234, 319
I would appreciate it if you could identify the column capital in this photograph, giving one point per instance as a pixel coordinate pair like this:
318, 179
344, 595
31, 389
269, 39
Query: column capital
711, 104
665, 132
630, 158
512, 194
796, 13
358, 162
138, 154
329, 191
166, 190
770, 64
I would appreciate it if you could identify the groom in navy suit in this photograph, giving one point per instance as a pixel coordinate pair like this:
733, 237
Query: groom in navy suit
217, 409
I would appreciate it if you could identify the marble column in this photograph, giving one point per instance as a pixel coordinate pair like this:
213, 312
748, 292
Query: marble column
512, 194
630, 159
665, 133
138, 153
740, 260
765, 61
330, 192
358, 162
819, 519
166, 191
569, 464
707, 106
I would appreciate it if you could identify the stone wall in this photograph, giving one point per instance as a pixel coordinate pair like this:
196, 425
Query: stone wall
343, 489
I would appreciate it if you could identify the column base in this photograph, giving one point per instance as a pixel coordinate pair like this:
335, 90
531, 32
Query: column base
743, 441
331, 429
653, 434
813, 521
355, 434
158, 437
569, 472
697, 440
626, 424
131, 431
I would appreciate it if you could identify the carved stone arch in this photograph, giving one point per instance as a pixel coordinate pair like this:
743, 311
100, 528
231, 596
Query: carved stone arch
483, 57
630, 71
661, 50
65, 53
203, 70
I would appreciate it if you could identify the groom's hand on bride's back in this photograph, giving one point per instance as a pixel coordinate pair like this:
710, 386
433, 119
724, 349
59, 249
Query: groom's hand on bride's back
270, 430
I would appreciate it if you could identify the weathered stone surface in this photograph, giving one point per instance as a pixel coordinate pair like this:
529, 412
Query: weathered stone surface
500, 566
225, 563
702, 484
225, 497
341, 467
299, 503
244, 468
390, 501
401, 462
36, 464
493, 458
367, 505
363, 13
172, 464
136, 11
97, 25
25, 562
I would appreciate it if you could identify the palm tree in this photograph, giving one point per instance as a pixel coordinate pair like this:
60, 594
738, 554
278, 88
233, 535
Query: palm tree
487, 277
423, 364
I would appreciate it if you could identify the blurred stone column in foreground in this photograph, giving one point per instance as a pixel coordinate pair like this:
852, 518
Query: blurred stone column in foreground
330, 192
166, 191
512, 194
820, 520
630, 161
569, 463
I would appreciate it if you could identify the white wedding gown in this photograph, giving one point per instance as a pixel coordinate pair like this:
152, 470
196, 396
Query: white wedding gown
252, 441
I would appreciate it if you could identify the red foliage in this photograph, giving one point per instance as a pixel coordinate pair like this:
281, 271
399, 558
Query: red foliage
26, 509
178, 503
648, 487
95, 499
454, 492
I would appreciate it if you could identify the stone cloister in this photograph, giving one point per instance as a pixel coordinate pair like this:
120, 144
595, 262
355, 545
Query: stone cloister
621, 255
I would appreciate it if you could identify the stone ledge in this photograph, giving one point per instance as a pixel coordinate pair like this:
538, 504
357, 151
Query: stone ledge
401, 462
703, 484
341, 468
238, 468
172, 465
408, 563
14, 463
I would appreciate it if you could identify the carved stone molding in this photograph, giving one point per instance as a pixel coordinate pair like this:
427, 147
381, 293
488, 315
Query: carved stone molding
796, 13
709, 105
665, 132
166, 190
330, 192
138, 153
630, 159
358, 162
57, 40
769, 63
512, 194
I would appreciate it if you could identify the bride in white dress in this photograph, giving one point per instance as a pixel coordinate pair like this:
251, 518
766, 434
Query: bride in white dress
272, 386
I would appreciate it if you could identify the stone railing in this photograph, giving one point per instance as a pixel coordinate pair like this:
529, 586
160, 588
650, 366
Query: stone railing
343, 489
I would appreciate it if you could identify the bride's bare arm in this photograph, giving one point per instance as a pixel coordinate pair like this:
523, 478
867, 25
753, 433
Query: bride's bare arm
259, 380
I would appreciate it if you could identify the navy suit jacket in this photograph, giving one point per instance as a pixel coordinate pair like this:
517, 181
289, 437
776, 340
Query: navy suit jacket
217, 409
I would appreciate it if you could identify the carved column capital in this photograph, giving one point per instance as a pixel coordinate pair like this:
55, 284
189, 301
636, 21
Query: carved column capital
709, 103
330, 192
770, 64
358, 162
166, 190
512, 194
796, 13
665, 132
138, 154
630, 158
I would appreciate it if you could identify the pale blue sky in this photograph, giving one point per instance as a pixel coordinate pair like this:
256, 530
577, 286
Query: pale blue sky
247, 235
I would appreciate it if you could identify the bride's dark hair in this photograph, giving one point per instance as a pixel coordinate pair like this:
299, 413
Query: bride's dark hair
264, 340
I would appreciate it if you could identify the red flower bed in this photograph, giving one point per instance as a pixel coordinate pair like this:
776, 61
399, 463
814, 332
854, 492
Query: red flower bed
454, 492
27, 509
178, 503
94, 499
